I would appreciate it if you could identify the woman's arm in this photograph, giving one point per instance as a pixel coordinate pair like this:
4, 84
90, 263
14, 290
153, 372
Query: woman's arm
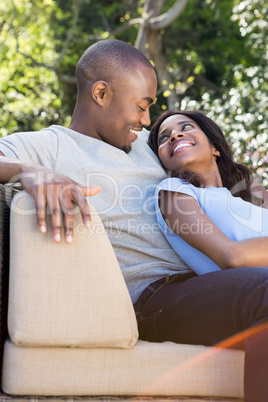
183, 215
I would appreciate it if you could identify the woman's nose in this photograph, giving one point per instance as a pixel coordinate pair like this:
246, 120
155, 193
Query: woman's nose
175, 135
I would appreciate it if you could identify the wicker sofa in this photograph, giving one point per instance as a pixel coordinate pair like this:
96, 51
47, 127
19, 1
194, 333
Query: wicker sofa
72, 331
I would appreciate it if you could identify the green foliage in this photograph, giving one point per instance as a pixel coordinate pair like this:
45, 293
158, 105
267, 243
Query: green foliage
208, 46
29, 91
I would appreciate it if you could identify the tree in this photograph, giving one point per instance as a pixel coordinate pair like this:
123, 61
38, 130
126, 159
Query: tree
149, 41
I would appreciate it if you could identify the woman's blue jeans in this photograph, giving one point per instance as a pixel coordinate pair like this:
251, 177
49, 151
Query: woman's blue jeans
208, 309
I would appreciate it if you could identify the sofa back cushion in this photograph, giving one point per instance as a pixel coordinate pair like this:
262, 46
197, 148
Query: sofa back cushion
66, 295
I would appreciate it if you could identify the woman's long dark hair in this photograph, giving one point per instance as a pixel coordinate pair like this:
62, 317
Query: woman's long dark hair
235, 177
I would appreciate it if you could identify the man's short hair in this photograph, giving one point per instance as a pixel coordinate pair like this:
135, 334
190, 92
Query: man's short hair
109, 60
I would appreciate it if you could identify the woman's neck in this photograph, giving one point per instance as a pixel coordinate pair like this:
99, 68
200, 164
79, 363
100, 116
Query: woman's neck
201, 178
210, 179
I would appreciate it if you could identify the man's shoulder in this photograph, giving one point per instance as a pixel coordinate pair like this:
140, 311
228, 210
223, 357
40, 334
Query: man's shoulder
142, 153
52, 130
51, 134
141, 144
47, 130
31, 145
143, 135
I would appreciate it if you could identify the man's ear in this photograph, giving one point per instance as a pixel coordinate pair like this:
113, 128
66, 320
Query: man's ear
99, 92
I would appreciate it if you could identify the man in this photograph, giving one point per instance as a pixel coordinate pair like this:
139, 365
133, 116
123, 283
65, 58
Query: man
103, 146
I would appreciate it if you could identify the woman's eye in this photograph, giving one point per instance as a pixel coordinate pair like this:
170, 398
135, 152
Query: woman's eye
143, 110
185, 126
162, 138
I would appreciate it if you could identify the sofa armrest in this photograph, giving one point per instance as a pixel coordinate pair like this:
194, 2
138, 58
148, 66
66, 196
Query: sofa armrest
65, 295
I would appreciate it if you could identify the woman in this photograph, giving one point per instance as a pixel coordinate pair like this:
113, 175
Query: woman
197, 201
232, 296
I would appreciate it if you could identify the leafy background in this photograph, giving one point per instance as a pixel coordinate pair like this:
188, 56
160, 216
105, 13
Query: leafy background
214, 54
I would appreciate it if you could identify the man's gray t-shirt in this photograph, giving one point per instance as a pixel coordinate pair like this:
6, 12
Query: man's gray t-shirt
125, 203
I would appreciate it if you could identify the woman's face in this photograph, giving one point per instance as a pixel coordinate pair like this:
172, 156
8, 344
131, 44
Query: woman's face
182, 145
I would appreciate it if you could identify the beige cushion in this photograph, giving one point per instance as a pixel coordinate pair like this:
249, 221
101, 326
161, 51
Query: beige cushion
147, 369
66, 295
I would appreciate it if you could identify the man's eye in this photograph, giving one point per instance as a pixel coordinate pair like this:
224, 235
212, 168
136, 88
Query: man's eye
143, 110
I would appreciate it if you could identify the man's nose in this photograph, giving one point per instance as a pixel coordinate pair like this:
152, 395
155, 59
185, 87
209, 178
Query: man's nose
175, 135
146, 120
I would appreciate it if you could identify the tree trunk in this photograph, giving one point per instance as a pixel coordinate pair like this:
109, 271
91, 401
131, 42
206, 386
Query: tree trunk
149, 41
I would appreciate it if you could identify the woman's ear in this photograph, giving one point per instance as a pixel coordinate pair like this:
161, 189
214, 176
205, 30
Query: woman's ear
215, 152
99, 92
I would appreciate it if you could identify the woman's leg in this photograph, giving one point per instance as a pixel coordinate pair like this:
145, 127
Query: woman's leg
210, 308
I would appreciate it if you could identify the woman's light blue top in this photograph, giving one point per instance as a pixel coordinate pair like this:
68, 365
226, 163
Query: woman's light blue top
236, 218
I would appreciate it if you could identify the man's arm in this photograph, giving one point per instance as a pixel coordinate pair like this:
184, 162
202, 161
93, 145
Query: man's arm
48, 187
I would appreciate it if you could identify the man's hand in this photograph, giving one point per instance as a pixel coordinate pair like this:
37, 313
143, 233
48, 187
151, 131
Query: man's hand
59, 192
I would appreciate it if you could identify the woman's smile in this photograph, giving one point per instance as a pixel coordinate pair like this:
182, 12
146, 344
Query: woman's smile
180, 146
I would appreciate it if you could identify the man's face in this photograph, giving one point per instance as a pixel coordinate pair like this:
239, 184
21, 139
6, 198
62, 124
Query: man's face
128, 109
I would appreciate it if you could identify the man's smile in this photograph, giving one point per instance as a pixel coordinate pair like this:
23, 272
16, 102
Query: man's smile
134, 133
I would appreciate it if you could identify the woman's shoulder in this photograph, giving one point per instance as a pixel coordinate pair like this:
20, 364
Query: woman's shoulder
173, 182
177, 185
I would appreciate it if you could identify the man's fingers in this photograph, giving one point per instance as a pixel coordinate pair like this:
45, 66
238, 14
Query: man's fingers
82, 202
55, 210
75, 194
84, 209
68, 229
89, 191
68, 216
41, 221
40, 205
60, 194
